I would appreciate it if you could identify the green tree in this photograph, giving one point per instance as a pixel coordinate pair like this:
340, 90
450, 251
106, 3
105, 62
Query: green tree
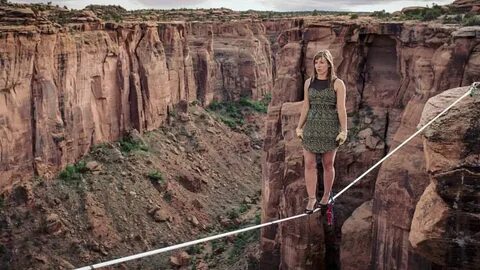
381, 14
471, 21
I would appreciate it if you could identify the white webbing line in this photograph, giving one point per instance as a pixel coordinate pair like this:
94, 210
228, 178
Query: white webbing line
186, 244
213, 237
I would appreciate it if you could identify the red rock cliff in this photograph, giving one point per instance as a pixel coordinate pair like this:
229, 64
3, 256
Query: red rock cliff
65, 89
445, 225
390, 70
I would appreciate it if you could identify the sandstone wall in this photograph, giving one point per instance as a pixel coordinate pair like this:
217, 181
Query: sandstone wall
390, 70
66, 89
233, 60
64, 92
438, 63
444, 228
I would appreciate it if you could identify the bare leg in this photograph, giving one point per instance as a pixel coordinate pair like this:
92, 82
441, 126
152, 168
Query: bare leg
328, 159
310, 177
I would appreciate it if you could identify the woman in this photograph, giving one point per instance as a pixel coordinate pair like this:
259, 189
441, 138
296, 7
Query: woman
322, 126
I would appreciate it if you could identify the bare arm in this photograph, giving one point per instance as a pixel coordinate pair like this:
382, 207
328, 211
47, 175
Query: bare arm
305, 107
341, 107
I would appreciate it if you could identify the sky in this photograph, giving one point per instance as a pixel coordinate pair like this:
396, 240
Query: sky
273, 5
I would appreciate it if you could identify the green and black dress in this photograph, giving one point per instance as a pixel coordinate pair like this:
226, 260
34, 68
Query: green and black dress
322, 124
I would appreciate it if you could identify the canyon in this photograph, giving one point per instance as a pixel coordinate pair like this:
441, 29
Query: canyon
65, 89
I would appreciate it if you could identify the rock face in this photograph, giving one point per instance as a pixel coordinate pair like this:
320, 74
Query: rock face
232, 60
356, 246
445, 223
390, 71
65, 91
466, 5
402, 178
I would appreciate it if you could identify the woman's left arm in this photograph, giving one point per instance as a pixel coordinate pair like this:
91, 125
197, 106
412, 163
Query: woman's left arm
341, 107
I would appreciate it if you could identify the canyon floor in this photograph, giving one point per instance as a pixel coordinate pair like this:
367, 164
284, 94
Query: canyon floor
192, 178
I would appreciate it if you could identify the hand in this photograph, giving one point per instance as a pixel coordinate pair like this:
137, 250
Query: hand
341, 137
299, 133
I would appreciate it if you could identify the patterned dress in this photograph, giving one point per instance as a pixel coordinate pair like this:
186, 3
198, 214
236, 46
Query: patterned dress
322, 124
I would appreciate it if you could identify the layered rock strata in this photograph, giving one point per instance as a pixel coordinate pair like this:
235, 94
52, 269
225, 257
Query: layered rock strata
390, 71
65, 89
444, 228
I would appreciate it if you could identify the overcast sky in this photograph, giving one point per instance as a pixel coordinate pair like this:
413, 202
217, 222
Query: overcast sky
275, 5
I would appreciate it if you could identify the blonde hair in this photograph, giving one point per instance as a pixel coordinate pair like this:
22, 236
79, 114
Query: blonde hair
325, 54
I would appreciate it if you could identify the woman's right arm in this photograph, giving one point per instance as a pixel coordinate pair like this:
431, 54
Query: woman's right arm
305, 107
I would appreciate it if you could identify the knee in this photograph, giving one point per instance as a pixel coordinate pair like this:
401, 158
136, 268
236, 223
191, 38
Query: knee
310, 165
328, 166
